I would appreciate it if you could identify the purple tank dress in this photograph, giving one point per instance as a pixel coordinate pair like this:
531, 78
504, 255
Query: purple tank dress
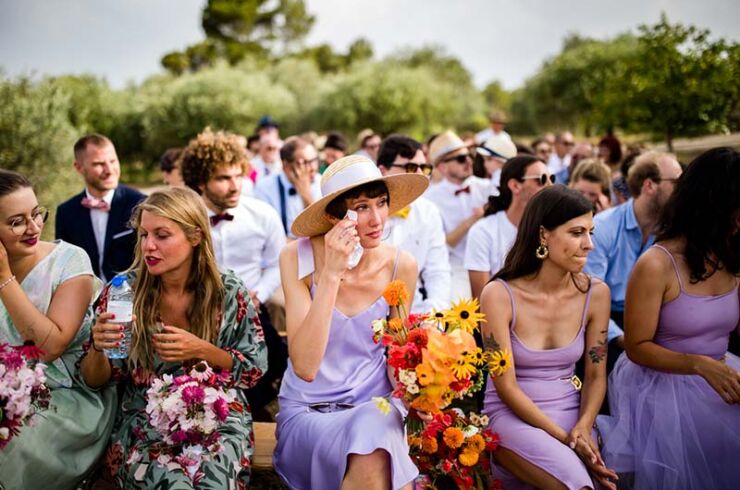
546, 377
321, 423
673, 431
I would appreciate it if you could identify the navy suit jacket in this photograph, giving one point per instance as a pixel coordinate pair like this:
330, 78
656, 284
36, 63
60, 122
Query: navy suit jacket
73, 225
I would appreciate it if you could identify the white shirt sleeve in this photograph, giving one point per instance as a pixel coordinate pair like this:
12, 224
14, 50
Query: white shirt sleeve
478, 248
435, 271
274, 242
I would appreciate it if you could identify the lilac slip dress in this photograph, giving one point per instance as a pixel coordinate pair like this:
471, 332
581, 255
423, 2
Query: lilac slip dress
321, 423
673, 431
547, 378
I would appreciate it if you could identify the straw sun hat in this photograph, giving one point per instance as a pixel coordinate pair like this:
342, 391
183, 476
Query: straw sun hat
346, 174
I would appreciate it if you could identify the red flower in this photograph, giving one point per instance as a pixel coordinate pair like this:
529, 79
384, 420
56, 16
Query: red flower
103, 301
249, 378
415, 319
461, 385
492, 440
114, 458
418, 337
404, 357
446, 466
241, 306
142, 376
29, 350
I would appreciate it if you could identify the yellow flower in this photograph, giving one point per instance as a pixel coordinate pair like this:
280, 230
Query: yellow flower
424, 374
396, 293
475, 443
453, 437
395, 324
475, 356
462, 369
429, 445
383, 405
498, 361
464, 314
468, 458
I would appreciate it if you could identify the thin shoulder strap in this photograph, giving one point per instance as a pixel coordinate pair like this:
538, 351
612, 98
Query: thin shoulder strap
673, 261
588, 302
395, 264
513, 304
305, 258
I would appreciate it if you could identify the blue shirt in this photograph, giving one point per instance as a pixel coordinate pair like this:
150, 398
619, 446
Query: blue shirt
617, 246
268, 189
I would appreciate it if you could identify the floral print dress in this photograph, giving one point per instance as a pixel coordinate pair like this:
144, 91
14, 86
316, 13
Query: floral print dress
134, 448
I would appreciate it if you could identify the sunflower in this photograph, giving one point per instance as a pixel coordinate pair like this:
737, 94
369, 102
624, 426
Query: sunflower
475, 357
396, 293
498, 361
464, 314
462, 368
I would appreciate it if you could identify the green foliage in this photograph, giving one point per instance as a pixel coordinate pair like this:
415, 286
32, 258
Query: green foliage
36, 139
443, 65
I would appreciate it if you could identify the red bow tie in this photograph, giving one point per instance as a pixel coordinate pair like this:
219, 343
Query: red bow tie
217, 218
465, 189
95, 203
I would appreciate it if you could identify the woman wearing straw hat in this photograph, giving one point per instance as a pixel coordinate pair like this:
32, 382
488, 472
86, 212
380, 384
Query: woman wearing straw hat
329, 432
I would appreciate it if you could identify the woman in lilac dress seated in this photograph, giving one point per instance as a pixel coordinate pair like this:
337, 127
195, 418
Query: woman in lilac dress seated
548, 314
330, 434
675, 395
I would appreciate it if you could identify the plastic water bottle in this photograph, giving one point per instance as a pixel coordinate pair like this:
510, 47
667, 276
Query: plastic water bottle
121, 304
356, 255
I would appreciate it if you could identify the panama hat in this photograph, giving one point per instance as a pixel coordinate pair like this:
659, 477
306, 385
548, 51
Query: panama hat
445, 144
499, 147
346, 174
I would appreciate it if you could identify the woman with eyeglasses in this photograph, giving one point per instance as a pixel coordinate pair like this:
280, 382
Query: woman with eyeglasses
490, 239
46, 293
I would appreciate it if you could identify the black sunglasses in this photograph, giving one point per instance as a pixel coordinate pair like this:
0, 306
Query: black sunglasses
461, 159
542, 178
411, 168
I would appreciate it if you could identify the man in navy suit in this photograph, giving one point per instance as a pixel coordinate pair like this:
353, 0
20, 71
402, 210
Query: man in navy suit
97, 218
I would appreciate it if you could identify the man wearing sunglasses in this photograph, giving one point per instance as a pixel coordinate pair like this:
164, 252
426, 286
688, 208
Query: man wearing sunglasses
460, 197
267, 160
417, 229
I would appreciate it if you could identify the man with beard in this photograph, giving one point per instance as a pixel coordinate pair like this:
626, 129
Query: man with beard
621, 234
247, 237
97, 218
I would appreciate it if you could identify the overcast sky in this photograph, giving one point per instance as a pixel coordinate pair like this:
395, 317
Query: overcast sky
507, 40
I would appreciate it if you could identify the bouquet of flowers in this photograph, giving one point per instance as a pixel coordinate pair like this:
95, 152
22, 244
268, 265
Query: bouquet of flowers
435, 361
187, 412
22, 388
453, 451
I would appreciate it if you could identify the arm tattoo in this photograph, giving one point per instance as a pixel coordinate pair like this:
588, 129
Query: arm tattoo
598, 352
490, 344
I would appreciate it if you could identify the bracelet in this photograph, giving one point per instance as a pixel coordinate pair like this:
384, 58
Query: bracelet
7, 281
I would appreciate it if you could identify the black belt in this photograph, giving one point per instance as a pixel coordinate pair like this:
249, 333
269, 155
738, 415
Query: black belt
328, 407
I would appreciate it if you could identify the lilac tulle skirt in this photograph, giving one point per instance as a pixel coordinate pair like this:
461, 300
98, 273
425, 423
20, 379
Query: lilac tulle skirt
670, 431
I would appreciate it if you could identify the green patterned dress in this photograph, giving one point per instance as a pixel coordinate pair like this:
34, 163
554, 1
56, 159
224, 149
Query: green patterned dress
64, 442
131, 456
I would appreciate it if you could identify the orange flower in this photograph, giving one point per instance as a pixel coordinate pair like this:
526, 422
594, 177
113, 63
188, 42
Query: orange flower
427, 403
414, 441
424, 374
475, 443
396, 293
429, 445
395, 324
468, 458
453, 437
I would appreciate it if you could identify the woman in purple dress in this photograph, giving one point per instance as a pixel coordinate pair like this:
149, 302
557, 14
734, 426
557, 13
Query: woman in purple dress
675, 395
548, 314
330, 434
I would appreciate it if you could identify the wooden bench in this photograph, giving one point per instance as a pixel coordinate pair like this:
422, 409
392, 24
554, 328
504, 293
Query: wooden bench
264, 445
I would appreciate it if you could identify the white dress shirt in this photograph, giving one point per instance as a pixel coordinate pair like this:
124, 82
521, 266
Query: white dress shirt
421, 234
489, 241
99, 220
455, 209
250, 245
268, 190
555, 164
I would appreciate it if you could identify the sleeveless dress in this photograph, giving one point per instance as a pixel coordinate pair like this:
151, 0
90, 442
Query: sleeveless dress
64, 442
546, 377
321, 423
673, 431
133, 444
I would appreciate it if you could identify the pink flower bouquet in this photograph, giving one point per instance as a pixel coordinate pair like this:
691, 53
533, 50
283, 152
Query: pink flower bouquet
22, 388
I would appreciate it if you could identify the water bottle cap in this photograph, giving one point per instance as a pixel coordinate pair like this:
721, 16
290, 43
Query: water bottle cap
118, 281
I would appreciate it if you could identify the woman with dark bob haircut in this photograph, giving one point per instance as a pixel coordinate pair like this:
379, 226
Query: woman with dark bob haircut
543, 309
675, 395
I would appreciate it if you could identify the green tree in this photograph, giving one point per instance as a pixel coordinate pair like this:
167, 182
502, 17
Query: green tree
679, 83
236, 29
